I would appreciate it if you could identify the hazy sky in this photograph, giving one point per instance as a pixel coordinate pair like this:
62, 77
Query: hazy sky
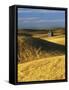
40, 18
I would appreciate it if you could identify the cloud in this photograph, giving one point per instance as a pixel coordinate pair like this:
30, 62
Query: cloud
56, 20
24, 10
38, 20
27, 18
27, 10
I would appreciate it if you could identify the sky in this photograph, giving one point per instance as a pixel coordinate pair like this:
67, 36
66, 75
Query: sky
40, 18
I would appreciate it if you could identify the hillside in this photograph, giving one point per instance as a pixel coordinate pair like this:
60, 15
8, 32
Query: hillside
41, 57
43, 69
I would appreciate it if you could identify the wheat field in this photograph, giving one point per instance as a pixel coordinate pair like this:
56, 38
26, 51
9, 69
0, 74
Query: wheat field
43, 69
41, 58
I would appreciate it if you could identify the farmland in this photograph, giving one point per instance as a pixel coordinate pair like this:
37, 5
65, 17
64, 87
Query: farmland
41, 57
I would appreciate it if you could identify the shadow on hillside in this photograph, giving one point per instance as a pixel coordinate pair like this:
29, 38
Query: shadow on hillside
45, 45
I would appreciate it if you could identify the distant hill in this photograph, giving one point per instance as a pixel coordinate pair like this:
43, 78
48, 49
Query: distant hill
43, 31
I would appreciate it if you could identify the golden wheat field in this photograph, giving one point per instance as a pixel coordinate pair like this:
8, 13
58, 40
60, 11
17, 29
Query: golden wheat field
43, 69
57, 39
41, 58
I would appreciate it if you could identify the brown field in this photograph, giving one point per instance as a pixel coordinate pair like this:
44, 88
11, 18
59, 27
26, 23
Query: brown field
41, 57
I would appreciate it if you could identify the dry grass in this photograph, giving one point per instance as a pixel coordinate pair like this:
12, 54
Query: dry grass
43, 69
26, 51
30, 48
41, 58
